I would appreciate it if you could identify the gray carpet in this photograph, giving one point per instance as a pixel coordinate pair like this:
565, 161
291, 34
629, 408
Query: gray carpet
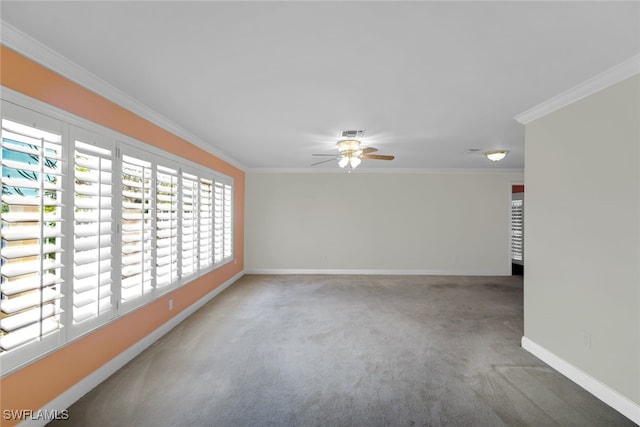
346, 351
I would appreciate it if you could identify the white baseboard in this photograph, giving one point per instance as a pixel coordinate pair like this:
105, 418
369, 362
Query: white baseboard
373, 272
620, 403
66, 399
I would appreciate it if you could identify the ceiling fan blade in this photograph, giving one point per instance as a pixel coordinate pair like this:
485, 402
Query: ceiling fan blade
332, 155
324, 161
368, 150
377, 157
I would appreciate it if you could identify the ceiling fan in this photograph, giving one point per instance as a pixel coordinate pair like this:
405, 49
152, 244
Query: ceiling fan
351, 153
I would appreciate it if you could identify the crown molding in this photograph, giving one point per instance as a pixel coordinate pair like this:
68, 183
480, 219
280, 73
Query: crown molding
26, 45
601, 81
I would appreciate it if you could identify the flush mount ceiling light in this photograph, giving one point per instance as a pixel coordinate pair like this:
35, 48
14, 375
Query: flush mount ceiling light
496, 155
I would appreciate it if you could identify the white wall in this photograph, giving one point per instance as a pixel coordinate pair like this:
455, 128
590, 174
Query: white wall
582, 210
378, 222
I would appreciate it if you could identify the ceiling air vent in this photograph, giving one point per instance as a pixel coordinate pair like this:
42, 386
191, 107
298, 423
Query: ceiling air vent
351, 133
472, 150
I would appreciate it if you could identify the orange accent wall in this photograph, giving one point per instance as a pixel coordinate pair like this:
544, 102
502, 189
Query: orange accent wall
40, 382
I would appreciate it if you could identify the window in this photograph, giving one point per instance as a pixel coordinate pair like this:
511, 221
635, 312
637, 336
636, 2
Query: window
228, 222
517, 229
205, 222
223, 232
94, 224
137, 224
92, 230
32, 239
189, 228
166, 226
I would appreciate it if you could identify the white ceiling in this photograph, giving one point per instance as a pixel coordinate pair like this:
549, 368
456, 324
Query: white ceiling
269, 83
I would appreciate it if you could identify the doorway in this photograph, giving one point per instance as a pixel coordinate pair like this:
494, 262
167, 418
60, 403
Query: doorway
517, 230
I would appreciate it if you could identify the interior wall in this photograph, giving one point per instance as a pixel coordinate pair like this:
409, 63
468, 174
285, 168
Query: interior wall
438, 223
582, 281
40, 382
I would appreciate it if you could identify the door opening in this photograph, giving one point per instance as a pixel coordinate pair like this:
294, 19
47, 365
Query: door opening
517, 230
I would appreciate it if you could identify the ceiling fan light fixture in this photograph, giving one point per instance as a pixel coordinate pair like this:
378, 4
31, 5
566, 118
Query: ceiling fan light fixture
348, 146
351, 154
496, 155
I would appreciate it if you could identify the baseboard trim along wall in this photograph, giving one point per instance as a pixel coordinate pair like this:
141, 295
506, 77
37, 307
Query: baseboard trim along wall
283, 271
609, 396
66, 399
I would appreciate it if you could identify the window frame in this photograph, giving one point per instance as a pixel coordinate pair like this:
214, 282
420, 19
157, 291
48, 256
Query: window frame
193, 178
102, 142
226, 181
173, 283
50, 341
71, 127
142, 156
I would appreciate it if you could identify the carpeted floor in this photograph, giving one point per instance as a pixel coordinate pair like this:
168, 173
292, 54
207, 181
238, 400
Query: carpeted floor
346, 351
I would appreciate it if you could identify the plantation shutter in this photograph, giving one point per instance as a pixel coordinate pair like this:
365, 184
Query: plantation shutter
31, 218
189, 256
517, 230
166, 226
223, 221
228, 222
205, 223
218, 241
137, 226
92, 230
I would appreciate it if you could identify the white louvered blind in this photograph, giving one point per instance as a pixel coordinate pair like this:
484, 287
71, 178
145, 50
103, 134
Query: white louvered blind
218, 240
31, 251
228, 221
137, 227
223, 221
166, 226
92, 230
517, 231
189, 241
205, 222
92, 226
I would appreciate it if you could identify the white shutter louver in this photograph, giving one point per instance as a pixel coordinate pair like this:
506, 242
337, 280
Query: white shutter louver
228, 222
166, 226
189, 238
223, 222
205, 222
517, 231
218, 241
137, 227
92, 229
30, 294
